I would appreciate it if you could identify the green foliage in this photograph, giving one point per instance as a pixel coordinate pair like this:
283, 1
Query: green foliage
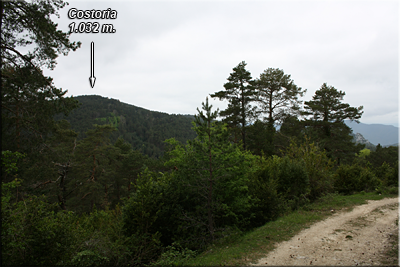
33, 234
141, 216
364, 153
99, 239
210, 182
143, 129
174, 255
239, 91
29, 103
293, 182
387, 174
277, 186
354, 178
259, 138
267, 204
278, 97
9, 162
112, 120
326, 114
317, 164
94, 159
389, 155
41, 31
326, 108
89, 258
29, 99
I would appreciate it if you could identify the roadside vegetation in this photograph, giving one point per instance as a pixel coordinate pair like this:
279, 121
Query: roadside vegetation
253, 245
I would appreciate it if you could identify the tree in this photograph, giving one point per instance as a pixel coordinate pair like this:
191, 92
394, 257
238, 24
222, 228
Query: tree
326, 109
94, 168
239, 91
326, 114
278, 97
209, 180
25, 23
29, 99
28, 107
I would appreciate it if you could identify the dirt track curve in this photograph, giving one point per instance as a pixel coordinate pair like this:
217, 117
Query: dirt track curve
351, 238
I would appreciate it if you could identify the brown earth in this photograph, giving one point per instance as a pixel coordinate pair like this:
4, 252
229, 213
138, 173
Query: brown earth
359, 237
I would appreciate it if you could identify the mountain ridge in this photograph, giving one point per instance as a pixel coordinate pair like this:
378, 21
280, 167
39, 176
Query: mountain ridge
382, 134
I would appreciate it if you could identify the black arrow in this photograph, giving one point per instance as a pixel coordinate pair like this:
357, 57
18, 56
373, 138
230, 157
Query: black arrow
92, 79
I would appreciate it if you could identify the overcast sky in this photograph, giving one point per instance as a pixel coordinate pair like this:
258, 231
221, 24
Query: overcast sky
169, 56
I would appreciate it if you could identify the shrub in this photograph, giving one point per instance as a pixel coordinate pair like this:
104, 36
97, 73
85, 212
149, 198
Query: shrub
279, 185
99, 239
266, 203
387, 174
354, 178
140, 215
33, 234
174, 255
317, 164
293, 181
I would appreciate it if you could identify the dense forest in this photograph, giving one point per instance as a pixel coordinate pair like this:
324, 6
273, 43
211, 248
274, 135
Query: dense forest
112, 191
145, 130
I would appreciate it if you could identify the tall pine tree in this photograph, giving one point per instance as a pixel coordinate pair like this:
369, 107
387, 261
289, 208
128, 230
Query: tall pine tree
239, 91
278, 97
325, 114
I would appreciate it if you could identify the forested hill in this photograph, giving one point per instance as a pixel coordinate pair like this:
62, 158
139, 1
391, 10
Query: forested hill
145, 130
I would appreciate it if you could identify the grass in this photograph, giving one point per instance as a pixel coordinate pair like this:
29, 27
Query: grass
251, 246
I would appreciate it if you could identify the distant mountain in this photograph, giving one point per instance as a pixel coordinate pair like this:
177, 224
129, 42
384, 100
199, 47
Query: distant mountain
360, 139
376, 133
145, 130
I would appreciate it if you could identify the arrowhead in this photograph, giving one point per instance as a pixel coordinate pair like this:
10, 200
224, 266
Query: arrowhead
92, 81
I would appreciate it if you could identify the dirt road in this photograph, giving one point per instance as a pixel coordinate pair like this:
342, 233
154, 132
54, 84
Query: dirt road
347, 238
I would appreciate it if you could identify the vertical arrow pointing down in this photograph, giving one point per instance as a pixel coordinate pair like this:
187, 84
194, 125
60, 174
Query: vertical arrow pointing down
92, 79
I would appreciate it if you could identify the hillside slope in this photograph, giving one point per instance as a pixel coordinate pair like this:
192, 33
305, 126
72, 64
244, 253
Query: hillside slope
143, 129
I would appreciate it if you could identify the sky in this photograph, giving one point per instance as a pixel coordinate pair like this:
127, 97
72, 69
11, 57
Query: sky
169, 56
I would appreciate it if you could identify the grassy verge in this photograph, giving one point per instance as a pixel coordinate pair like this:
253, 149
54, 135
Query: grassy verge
251, 246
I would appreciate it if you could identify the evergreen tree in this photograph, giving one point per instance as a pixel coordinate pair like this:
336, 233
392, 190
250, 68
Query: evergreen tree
29, 100
94, 171
239, 92
292, 129
209, 179
326, 114
278, 97
33, 19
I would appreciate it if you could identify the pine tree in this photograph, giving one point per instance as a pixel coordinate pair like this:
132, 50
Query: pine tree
29, 99
278, 97
239, 92
325, 114
94, 169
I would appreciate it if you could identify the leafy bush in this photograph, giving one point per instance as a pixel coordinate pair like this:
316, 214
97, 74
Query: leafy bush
33, 234
279, 185
266, 202
293, 181
174, 255
317, 164
140, 215
99, 239
354, 178
387, 174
